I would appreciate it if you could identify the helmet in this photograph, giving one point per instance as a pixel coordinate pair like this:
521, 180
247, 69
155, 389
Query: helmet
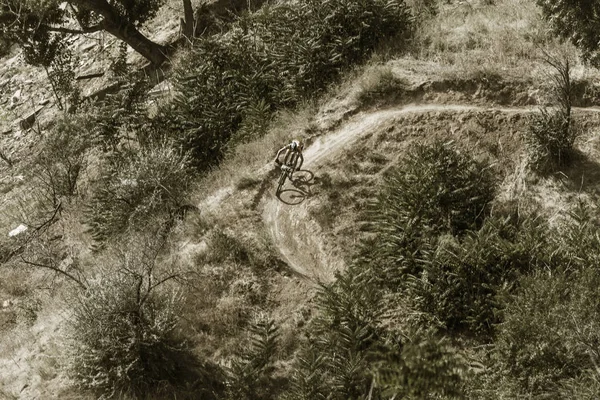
295, 145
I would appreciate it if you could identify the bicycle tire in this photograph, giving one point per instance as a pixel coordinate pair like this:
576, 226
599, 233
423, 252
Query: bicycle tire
281, 182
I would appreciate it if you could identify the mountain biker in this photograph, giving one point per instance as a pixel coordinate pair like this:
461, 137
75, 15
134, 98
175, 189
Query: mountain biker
293, 153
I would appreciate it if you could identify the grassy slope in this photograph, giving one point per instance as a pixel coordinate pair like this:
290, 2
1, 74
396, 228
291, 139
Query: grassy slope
462, 55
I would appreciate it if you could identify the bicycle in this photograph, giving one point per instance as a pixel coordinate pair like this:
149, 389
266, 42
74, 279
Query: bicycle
286, 170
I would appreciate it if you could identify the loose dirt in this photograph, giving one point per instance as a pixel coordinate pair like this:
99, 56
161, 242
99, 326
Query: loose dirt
298, 237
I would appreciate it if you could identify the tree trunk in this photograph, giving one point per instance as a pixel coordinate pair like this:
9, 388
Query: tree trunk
188, 21
119, 27
153, 52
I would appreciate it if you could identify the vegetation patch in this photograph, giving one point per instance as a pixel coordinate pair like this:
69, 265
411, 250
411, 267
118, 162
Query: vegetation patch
268, 61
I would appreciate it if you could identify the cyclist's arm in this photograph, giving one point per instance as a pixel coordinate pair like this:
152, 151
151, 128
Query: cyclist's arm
279, 153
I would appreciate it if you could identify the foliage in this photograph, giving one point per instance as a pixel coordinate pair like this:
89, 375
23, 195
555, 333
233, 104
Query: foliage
5, 46
124, 330
251, 375
437, 190
550, 333
463, 283
62, 159
268, 60
380, 85
354, 353
62, 79
307, 380
552, 134
334, 362
550, 140
427, 365
121, 118
40, 27
575, 21
137, 188
28, 23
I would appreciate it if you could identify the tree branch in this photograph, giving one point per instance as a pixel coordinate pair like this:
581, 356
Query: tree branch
91, 29
55, 269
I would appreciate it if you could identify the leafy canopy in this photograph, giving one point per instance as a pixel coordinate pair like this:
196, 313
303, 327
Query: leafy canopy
577, 21
40, 26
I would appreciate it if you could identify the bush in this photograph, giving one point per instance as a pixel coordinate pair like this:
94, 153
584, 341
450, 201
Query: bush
552, 134
550, 140
435, 191
251, 374
380, 85
268, 60
353, 344
62, 158
125, 338
464, 282
439, 189
137, 188
551, 331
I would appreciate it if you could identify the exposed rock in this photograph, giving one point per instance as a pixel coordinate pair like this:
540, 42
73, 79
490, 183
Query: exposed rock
29, 120
89, 75
18, 230
88, 47
16, 98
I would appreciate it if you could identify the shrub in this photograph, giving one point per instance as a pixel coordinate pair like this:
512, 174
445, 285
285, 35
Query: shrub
251, 375
464, 282
268, 60
62, 79
437, 190
550, 334
353, 345
5, 46
62, 158
380, 85
426, 366
136, 188
124, 331
118, 119
550, 140
552, 134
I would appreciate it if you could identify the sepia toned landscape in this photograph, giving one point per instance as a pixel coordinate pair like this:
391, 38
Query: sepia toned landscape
440, 239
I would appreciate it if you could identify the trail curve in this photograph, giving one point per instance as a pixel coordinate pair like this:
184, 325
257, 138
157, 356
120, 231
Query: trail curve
295, 233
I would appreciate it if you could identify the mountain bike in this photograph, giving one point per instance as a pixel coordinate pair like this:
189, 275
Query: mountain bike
286, 170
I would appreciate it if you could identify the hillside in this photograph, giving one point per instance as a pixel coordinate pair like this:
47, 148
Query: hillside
440, 240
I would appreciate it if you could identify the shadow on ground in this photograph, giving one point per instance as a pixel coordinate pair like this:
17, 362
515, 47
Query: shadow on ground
583, 175
301, 188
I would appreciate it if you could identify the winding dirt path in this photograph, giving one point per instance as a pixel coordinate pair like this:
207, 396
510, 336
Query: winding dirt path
292, 229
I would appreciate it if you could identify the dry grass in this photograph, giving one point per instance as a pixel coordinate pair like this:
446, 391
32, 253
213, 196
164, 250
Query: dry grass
471, 37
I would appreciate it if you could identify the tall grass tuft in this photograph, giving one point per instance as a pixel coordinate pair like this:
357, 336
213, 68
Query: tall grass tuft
552, 133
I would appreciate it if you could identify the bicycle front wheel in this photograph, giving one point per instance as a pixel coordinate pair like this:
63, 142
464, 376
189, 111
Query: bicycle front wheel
281, 180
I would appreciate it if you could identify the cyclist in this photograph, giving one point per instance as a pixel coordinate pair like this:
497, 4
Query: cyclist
293, 153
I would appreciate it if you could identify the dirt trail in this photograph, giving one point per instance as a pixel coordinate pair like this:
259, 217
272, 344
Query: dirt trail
294, 232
